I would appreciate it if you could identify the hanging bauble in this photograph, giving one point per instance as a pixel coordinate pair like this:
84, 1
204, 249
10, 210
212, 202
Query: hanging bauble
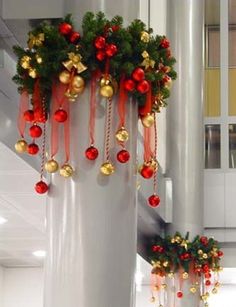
111, 50
107, 168
91, 153
107, 91
33, 149
167, 82
60, 116
29, 116
214, 290
129, 85
220, 254
152, 299
51, 166
78, 84
193, 289
32, 73
146, 171
207, 282
41, 187
65, 28
122, 135
154, 164
66, 170
64, 77
21, 146
123, 156
100, 55
143, 87
154, 200
35, 131
185, 275
179, 294
145, 36
74, 37
39, 59
71, 95
165, 43
105, 81
138, 74
100, 42
40, 116
148, 120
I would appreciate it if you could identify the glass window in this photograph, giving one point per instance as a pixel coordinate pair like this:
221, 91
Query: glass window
212, 146
232, 145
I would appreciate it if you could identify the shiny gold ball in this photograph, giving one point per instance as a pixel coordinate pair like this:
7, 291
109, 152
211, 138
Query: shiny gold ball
163, 286
200, 252
25, 62
122, 135
107, 168
152, 299
66, 170
71, 95
203, 297
204, 256
105, 81
177, 239
154, 164
214, 290
64, 77
32, 73
172, 240
193, 289
39, 59
145, 37
106, 91
185, 275
171, 275
51, 166
21, 146
78, 84
165, 264
156, 288
148, 120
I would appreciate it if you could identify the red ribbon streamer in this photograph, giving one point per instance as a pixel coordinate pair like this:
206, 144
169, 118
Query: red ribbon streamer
23, 106
37, 101
95, 75
121, 103
147, 140
147, 108
67, 131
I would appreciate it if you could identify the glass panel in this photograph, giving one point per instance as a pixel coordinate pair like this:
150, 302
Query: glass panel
232, 58
212, 146
213, 46
232, 145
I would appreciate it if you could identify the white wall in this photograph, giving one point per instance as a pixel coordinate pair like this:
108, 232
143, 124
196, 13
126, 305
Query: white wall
1, 286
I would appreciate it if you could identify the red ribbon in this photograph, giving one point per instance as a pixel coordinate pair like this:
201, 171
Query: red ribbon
147, 108
121, 103
67, 131
23, 106
37, 101
147, 141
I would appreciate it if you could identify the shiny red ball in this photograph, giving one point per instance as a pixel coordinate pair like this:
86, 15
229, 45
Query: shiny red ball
115, 28
33, 149
207, 282
65, 28
111, 50
143, 87
100, 42
208, 275
155, 248
138, 74
35, 131
129, 85
220, 254
60, 116
179, 294
166, 79
205, 268
154, 200
165, 43
91, 153
41, 187
147, 172
74, 37
123, 156
29, 115
204, 240
100, 55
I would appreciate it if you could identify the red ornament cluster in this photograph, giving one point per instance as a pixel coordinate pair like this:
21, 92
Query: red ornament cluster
137, 82
66, 30
104, 50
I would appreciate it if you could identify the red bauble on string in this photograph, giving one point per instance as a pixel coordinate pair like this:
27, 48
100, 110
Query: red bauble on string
165, 43
35, 131
147, 171
205, 268
129, 85
154, 200
143, 87
155, 248
41, 187
74, 37
111, 50
100, 55
207, 282
220, 254
208, 275
179, 294
138, 74
65, 28
60, 116
91, 153
29, 116
123, 156
33, 149
100, 42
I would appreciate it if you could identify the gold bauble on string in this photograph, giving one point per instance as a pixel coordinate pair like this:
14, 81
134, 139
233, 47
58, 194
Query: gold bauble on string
105, 81
51, 166
152, 299
107, 91
78, 84
71, 95
200, 252
171, 275
156, 288
185, 275
64, 77
107, 168
165, 264
214, 290
153, 163
193, 289
163, 286
66, 170
204, 256
39, 59
145, 37
32, 73
148, 120
122, 135
25, 62
21, 146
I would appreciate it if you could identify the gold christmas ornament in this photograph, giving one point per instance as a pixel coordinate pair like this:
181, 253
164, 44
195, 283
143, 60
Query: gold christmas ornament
185, 275
122, 135
193, 289
21, 146
107, 168
147, 62
172, 240
32, 73
71, 95
203, 297
25, 62
35, 40
78, 84
204, 256
105, 81
66, 171
217, 284
171, 275
165, 264
39, 59
214, 290
154, 164
177, 239
74, 61
152, 299
163, 286
107, 91
145, 37
64, 77
51, 166
156, 288
148, 120
200, 252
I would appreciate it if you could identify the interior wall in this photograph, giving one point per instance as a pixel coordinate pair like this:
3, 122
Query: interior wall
1, 286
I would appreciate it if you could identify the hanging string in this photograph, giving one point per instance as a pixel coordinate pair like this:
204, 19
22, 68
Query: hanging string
147, 108
155, 154
23, 106
44, 140
121, 103
108, 130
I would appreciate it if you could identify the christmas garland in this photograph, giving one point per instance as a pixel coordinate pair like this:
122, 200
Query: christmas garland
59, 62
197, 260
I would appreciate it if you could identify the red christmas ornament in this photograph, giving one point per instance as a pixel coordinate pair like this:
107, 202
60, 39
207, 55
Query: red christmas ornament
111, 50
41, 187
186, 256
205, 268
155, 248
129, 85
220, 254
60, 116
33, 149
204, 240
74, 37
166, 79
207, 282
65, 28
100, 55
39, 116
147, 172
35, 131
154, 200
91, 153
115, 28
165, 43
100, 42
179, 294
123, 156
208, 275
29, 116
143, 87
138, 74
